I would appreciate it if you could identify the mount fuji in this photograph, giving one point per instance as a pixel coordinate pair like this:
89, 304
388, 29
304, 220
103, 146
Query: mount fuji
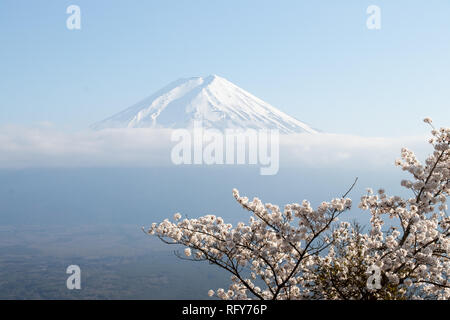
215, 101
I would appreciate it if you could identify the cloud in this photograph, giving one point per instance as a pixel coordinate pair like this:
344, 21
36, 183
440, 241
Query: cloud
45, 146
344, 150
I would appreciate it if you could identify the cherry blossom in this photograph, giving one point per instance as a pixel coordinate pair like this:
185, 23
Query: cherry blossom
301, 252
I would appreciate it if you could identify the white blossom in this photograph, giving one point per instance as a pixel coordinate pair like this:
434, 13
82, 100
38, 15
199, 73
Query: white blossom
302, 252
177, 216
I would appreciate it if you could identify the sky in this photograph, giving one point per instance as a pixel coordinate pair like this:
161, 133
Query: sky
315, 60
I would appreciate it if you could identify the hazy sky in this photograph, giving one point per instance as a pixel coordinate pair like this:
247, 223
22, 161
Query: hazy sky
315, 60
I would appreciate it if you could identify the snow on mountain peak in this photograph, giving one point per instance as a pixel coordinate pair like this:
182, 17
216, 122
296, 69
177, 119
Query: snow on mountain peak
214, 100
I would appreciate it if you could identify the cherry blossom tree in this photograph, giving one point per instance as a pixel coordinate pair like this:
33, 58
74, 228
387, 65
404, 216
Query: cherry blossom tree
301, 252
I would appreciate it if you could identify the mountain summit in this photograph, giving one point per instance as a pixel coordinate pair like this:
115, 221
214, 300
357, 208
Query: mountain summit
215, 101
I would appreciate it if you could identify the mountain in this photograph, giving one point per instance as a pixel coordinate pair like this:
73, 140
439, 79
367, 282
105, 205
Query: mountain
215, 101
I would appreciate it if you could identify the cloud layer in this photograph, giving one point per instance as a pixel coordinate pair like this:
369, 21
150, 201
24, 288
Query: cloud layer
44, 146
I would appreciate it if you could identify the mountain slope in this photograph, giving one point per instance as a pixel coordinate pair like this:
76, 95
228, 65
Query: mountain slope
215, 101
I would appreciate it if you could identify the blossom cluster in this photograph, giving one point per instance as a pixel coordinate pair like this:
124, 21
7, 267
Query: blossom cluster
272, 250
301, 252
413, 255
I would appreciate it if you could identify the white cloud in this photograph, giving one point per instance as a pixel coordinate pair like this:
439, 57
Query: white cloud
45, 146
347, 150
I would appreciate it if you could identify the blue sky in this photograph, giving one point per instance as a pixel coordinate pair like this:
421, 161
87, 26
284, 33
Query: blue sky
315, 60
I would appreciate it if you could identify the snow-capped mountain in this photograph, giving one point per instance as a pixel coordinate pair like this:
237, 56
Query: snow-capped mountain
215, 101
